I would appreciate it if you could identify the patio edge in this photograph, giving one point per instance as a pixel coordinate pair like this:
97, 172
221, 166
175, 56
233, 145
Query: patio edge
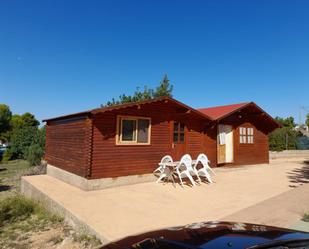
30, 191
96, 184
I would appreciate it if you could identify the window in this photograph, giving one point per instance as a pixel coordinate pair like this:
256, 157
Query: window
250, 135
133, 130
245, 135
179, 133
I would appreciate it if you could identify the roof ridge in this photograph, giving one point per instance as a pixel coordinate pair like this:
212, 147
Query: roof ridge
130, 104
217, 106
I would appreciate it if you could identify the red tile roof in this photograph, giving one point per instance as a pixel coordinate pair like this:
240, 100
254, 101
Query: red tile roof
221, 111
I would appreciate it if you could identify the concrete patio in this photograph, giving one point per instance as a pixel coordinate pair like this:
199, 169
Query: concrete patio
121, 211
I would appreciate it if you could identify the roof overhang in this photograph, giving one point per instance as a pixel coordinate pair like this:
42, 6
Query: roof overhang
259, 112
167, 100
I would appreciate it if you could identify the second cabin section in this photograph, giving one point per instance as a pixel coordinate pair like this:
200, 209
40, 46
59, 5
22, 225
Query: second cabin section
242, 133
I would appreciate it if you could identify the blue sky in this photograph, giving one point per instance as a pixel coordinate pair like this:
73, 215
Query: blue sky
59, 57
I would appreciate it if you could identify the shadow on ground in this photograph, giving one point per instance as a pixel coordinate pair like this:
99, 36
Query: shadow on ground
299, 176
3, 169
5, 188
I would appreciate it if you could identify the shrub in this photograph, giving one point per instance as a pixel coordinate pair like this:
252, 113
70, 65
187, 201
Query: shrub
34, 154
282, 138
15, 208
37, 170
306, 217
18, 208
6, 156
23, 138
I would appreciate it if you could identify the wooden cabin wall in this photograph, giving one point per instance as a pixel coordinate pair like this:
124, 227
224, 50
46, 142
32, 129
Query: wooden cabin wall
68, 145
255, 153
210, 145
111, 160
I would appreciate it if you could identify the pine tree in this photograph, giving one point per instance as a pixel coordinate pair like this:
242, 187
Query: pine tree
164, 89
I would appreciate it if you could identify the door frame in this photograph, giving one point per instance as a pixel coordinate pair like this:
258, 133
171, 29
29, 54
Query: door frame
226, 146
173, 147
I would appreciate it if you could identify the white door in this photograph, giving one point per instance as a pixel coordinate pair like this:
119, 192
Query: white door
225, 144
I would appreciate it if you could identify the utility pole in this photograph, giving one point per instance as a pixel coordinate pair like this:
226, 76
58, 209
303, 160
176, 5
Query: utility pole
304, 108
299, 116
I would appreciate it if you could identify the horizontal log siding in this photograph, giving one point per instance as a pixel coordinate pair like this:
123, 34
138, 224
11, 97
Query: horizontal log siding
251, 153
67, 146
201, 141
111, 160
210, 145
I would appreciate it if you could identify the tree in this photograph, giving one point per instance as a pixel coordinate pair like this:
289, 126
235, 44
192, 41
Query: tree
16, 122
25, 120
164, 89
307, 119
29, 119
34, 154
20, 122
22, 139
26, 140
286, 122
285, 137
5, 117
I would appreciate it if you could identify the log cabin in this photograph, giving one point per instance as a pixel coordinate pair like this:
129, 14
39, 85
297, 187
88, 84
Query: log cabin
123, 144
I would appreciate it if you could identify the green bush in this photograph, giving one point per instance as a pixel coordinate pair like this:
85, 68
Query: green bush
282, 138
34, 154
15, 208
306, 217
18, 208
285, 137
23, 138
6, 156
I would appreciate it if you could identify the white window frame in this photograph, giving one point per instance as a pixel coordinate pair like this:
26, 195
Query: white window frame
119, 140
250, 135
246, 135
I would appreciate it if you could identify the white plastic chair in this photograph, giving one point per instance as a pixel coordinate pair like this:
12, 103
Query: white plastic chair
165, 159
184, 168
202, 158
165, 172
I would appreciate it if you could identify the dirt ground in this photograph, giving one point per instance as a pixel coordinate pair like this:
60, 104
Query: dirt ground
59, 238
51, 237
34, 232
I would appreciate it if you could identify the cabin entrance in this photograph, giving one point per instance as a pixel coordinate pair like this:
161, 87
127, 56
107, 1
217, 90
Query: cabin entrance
178, 132
225, 150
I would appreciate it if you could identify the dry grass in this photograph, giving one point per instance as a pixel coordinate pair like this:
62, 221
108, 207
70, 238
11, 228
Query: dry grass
306, 217
25, 223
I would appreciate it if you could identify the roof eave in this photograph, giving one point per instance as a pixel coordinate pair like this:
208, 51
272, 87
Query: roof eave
73, 115
131, 104
164, 98
234, 111
259, 108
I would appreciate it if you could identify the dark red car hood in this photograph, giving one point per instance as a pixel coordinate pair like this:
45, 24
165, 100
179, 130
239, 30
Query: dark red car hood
211, 235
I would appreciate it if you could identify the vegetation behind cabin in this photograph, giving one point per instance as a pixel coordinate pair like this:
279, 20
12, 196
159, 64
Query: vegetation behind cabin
164, 89
23, 135
286, 137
